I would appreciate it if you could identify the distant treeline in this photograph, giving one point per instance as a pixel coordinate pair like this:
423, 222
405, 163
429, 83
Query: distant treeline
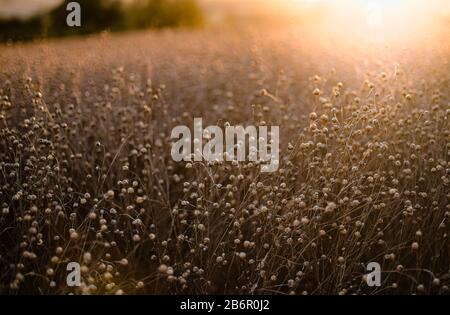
100, 15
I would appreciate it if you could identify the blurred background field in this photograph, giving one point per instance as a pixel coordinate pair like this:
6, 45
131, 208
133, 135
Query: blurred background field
21, 20
34, 19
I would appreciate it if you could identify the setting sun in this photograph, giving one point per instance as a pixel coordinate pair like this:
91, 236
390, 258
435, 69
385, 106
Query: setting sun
393, 19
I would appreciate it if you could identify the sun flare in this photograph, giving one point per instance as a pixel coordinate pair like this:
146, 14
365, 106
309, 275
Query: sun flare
386, 19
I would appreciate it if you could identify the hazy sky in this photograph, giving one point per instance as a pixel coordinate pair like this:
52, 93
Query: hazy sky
24, 8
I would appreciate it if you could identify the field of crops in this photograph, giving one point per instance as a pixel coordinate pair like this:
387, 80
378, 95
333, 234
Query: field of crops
87, 176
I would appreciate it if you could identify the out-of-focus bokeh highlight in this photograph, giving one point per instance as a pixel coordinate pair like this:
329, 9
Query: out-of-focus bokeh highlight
374, 20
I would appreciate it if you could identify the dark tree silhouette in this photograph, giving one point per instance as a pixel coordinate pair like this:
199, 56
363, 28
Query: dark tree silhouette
96, 16
99, 15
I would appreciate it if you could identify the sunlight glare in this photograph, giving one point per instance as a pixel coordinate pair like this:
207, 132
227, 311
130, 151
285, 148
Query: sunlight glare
387, 19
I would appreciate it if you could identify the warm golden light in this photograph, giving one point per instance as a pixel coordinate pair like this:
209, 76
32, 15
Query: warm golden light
375, 19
